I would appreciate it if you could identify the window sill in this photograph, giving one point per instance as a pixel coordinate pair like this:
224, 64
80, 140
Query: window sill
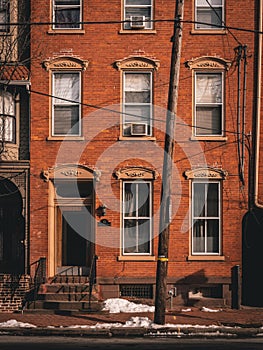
208, 138
132, 138
137, 31
66, 31
205, 258
65, 138
208, 32
135, 258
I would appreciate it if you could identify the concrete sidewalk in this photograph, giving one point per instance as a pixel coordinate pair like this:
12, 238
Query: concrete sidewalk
246, 322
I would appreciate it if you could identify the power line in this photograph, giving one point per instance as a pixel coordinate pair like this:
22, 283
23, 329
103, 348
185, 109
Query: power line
129, 114
220, 26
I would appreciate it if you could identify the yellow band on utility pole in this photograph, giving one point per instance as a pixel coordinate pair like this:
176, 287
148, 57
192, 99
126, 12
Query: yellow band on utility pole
162, 258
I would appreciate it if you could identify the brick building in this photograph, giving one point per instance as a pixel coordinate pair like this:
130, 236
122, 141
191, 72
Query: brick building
99, 90
14, 153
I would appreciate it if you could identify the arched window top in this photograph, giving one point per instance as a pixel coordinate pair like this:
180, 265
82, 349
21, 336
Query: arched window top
138, 63
133, 173
208, 62
71, 171
205, 173
65, 63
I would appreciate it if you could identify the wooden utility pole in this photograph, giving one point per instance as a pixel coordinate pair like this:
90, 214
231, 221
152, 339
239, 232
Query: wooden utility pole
162, 263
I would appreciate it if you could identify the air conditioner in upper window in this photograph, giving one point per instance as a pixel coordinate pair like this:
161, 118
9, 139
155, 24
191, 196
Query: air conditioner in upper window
139, 129
137, 22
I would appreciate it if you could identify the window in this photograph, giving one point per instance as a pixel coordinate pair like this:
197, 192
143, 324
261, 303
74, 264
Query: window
209, 14
7, 117
138, 14
137, 104
66, 109
206, 217
4, 16
137, 222
208, 104
67, 14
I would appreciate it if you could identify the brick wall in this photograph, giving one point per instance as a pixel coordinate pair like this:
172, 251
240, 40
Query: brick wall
12, 291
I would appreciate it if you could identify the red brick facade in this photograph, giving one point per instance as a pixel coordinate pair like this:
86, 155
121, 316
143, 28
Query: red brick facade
103, 48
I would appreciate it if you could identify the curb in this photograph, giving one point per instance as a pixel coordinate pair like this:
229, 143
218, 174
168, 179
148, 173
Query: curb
190, 332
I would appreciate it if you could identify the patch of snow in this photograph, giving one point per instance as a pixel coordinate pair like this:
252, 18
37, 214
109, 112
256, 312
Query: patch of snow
186, 310
206, 309
14, 323
116, 305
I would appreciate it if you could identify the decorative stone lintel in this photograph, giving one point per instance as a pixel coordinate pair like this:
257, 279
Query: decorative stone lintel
137, 62
136, 173
65, 63
208, 62
67, 172
205, 173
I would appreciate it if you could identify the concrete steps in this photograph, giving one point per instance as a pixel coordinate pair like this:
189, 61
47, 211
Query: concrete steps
65, 293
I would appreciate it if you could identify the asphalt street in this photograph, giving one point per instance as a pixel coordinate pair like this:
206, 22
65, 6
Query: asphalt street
77, 343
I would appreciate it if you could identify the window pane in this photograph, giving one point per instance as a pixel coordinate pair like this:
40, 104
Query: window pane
78, 189
130, 237
199, 236
144, 236
67, 14
143, 202
137, 82
130, 199
208, 88
212, 200
210, 19
7, 129
213, 236
66, 120
199, 200
138, 2
67, 87
208, 121
212, 3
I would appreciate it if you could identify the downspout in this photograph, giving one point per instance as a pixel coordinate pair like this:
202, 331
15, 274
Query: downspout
258, 107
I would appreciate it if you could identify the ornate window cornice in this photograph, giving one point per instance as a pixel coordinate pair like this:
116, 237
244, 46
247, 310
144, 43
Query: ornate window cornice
65, 63
205, 173
70, 171
208, 62
137, 62
131, 173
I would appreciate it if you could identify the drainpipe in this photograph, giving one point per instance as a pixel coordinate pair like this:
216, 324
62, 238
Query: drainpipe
258, 104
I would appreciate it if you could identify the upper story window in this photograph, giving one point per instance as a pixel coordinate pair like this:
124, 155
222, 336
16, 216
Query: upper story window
67, 14
208, 99
7, 117
138, 14
208, 104
137, 96
65, 116
209, 14
137, 104
4, 15
66, 111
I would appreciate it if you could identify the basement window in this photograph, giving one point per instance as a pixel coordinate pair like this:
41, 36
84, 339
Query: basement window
144, 291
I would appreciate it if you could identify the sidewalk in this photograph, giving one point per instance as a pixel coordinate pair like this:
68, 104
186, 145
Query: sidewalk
246, 322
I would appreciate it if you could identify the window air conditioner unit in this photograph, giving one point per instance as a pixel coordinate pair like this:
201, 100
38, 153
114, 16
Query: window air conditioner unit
138, 129
137, 22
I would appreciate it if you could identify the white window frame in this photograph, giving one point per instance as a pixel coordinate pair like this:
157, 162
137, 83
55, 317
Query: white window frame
126, 115
4, 16
219, 104
69, 103
74, 6
137, 217
205, 218
203, 5
127, 17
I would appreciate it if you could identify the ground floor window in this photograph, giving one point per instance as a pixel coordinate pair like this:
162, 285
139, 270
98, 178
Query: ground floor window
136, 217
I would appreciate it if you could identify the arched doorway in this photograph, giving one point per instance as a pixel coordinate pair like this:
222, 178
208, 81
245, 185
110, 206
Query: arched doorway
12, 229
